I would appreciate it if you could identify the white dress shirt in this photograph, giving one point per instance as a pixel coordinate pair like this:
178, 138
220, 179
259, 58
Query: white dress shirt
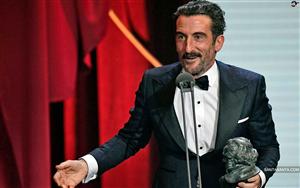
206, 112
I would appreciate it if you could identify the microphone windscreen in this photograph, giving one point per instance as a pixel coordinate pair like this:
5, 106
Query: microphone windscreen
184, 77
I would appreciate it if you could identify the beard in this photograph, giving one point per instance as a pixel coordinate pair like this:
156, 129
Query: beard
195, 70
198, 70
203, 62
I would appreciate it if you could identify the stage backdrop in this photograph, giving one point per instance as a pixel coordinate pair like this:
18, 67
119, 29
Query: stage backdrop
263, 36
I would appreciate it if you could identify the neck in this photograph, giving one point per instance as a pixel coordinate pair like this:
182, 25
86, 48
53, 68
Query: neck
198, 75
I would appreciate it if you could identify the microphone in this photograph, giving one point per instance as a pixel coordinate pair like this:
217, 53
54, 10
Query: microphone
185, 81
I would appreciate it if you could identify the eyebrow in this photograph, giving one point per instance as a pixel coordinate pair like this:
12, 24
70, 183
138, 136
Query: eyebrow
200, 33
180, 33
196, 33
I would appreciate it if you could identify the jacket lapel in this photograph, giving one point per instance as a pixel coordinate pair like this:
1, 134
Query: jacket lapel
233, 92
165, 108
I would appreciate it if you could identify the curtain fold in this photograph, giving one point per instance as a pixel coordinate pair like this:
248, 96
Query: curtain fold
8, 165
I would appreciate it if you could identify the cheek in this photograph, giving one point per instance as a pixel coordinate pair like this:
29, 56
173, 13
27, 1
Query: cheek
179, 47
202, 47
210, 50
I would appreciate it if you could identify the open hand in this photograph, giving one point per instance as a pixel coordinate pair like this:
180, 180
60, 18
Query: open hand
70, 173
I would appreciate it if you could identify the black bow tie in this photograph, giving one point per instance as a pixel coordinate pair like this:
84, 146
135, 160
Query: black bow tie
202, 82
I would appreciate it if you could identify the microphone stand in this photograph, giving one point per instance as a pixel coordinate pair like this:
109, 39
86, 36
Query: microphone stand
182, 90
190, 88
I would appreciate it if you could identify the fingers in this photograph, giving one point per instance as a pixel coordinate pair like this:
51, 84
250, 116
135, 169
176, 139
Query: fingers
69, 173
58, 179
253, 182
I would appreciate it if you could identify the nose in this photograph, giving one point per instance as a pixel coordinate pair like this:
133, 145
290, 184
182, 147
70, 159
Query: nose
189, 46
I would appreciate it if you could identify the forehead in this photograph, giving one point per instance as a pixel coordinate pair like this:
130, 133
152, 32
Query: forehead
196, 23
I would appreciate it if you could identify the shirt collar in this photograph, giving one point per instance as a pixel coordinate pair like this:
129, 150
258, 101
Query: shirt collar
212, 74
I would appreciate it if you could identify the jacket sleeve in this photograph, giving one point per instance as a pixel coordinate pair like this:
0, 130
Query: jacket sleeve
262, 131
130, 139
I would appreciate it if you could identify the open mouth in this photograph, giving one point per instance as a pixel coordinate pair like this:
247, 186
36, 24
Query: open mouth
191, 57
190, 60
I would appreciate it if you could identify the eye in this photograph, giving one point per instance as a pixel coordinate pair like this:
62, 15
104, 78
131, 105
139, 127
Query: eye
180, 37
199, 37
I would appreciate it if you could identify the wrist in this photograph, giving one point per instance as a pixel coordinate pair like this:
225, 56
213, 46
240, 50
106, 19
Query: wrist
84, 166
92, 167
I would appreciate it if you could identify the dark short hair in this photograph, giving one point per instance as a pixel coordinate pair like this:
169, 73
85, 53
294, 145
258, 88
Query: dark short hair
202, 7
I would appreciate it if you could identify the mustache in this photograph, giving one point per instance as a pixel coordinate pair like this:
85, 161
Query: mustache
191, 55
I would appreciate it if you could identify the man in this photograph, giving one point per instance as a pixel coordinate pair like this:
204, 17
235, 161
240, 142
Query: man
234, 104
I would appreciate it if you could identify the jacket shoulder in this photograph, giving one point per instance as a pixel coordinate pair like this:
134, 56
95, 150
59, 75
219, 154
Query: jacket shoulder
161, 71
239, 73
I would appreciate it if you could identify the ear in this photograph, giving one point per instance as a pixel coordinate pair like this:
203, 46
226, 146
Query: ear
219, 43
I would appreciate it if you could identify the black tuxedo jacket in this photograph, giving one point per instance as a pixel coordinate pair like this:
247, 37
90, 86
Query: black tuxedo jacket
242, 94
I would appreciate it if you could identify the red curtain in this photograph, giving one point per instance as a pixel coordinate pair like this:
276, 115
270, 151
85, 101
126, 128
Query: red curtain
42, 44
25, 91
7, 159
119, 69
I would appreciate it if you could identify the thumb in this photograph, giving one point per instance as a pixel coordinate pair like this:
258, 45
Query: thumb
254, 178
63, 165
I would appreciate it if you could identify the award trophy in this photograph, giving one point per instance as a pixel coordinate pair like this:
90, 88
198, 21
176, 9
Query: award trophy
240, 158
